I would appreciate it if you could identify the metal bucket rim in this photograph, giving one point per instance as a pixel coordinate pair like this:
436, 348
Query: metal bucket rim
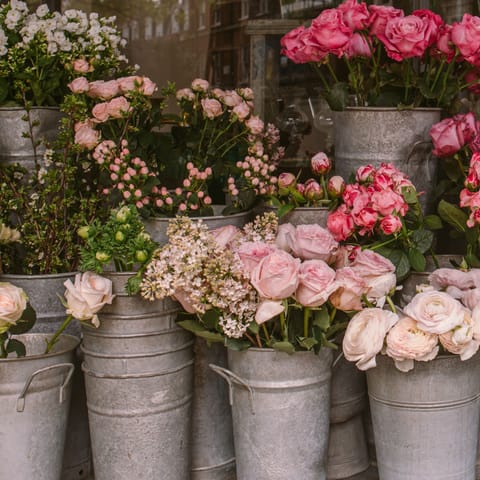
209, 217
269, 350
390, 109
21, 276
301, 209
74, 342
16, 109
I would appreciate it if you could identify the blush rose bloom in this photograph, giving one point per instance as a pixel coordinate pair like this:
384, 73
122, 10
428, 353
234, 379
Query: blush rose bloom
390, 224
336, 186
387, 202
79, 85
242, 111
255, 125
451, 134
103, 90
251, 253
316, 283
200, 85
185, 94
435, 312
313, 242
320, 163
87, 296
80, 65
406, 343
87, 137
211, 108
466, 36
100, 112
471, 298
268, 309
276, 275
13, 302
451, 277
351, 287
118, 107
136, 83
365, 335
224, 236
460, 341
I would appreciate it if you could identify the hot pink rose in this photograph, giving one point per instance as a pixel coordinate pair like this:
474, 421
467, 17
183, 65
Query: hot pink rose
390, 224
100, 112
359, 46
355, 15
300, 46
313, 242
79, 85
444, 45
406, 343
330, 31
446, 139
255, 125
211, 108
366, 219
388, 202
466, 36
80, 65
224, 236
320, 164
276, 275
87, 137
355, 196
351, 287
433, 23
379, 16
335, 186
251, 253
365, 173
316, 283
340, 223
103, 90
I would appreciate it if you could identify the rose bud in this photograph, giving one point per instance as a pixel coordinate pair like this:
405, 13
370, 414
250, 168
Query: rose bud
320, 164
141, 256
82, 232
286, 180
335, 186
313, 191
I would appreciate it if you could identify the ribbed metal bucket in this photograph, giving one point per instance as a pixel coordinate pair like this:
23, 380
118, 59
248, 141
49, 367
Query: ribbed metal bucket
280, 410
138, 369
43, 292
304, 215
426, 421
14, 147
35, 396
213, 455
374, 135
157, 226
347, 447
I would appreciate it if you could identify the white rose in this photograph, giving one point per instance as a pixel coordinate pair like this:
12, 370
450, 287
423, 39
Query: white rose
365, 335
87, 296
13, 301
435, 312
406, 343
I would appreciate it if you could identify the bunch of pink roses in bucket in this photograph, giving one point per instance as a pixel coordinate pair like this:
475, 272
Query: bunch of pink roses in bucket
444, 317
388, 58
381, 211
288, 288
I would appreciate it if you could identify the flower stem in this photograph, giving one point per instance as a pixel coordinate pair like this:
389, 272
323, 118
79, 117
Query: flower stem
390, 303
54, 339
306, 318
265, 331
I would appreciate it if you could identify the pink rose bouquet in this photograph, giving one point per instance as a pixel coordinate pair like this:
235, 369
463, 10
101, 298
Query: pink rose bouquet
380, 210
390, 58
284, 287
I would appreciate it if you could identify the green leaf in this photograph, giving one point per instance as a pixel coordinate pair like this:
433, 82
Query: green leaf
452, 215
417, 259
433, 222
26, 323
284, 209
286, 347
254, 327
210, 319
337, 97
307, 342
15, 346
236, 344
472, 260
321, 319
197, 329
327, 343
422, 239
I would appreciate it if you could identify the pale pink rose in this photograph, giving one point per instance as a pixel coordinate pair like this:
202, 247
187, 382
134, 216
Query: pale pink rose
86, 123
246, 93
103, 90
285, 236
390, 224
200, 85
268, 309
466, 36
475, 314
365, 335
365, 173
451, 134
358, 46
368, 262
459, 340
79, 85
100, 112
355, 15
255, 125
330, 31
242, 111
231, 98
379, 16
276, 276
87, 137
446, 277
184, 300
212, 108
388, 202
340, 223
345, 255
185, 94
313, 242
406, 343
225, 235
335, 186
136, 83
471, 298
118, 107
435, 312
13, 302
351, 287
316, 283
320, 164
251, 253
80, 65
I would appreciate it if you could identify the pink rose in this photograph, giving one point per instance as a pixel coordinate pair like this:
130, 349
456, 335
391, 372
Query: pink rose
316, 283
390, 224
330, 32
100, 112
242, 111
276, 275
79, 85
471, 298
379, 16
406, 343
460, 341
435, 312
365, 173
200, 85
335, 186
211, 108
466, 36
320, 164
251, 253
224, 236
136, 83
80, 65
368, 263
444, 45
446, 277
433, 23
255, 125
313, 242
473, 80
118, 107
184, 300
87, 137
231, 98
185, 94
300, 47
340, 223
359, 46
355, 196
365, 335
355, 15
103, 90
366, 219
268, 309
387, 202
351, 287
286, 180
285, 235
445, 138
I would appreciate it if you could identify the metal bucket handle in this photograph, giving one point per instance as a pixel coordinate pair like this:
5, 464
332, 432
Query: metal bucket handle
231, 378
412, 153
21, 398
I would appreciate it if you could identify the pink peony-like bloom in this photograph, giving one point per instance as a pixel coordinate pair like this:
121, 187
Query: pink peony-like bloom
276, 275
366, 219
390, 224
379, 16
87, 137
231, 98
211, 108
200, 85
100, 112
320, 164
118, 107
355, 15
313, 242
255, 125
365, 335
103, 90
313, 191
406, 343
79, 85
365, 173
316, 283
330, 31
388, 202
340, 223
286, 180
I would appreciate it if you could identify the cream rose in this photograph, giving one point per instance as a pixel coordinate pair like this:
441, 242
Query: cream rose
13, 301
365, 335
435, 312
351, 287
406, 343
87, 296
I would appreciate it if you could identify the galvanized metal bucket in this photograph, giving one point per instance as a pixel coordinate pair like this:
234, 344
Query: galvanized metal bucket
280, 409
426, 421
43, 292
213, 454
35, 396
14, 146
304, 215
373, 135
347, 447
138, 369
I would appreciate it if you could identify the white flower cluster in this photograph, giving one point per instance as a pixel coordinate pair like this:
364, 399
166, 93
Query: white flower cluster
264, 228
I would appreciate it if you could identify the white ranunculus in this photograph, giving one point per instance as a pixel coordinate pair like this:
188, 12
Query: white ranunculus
87, 296
365, 336
13, 301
